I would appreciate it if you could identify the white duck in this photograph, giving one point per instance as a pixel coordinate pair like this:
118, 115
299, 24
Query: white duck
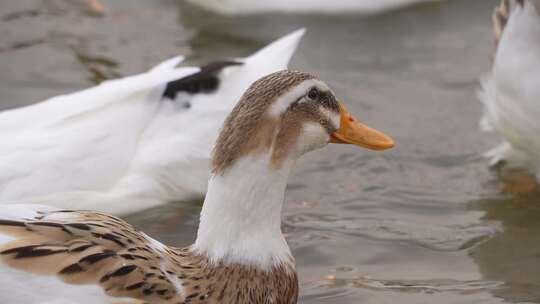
511, 91
240, 255
131, 143
243, 7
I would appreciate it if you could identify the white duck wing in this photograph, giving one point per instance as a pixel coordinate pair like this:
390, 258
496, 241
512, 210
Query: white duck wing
59, 108
511, 92
83, 140
61, 256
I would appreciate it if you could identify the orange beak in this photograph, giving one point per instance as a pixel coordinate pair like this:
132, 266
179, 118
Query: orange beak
351, 131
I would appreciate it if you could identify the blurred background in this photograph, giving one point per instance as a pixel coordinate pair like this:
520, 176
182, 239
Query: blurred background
427, 222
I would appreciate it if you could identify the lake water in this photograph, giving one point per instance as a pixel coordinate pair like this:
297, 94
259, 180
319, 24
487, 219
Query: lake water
427, 222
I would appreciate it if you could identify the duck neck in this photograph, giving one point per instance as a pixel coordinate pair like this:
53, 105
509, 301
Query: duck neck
241, 216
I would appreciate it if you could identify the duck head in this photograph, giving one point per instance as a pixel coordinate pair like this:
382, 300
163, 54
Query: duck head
285, 115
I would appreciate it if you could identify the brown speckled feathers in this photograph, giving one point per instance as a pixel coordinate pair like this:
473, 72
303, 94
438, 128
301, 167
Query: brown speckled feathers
83, 247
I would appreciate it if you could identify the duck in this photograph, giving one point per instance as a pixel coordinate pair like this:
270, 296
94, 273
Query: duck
51, 255
128, 144
246, 7
511, 90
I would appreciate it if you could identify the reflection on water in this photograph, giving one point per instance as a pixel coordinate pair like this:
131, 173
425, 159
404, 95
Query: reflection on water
512, 256
174, 224
100, 68
423, 223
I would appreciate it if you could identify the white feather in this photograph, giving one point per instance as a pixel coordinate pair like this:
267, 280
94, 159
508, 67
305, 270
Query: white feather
14, 290
511, 92
241, 215
241, 7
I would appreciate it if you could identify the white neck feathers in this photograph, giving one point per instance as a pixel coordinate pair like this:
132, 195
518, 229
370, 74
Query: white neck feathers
241, 215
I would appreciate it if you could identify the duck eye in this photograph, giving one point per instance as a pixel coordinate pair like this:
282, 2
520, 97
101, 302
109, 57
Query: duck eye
313, 94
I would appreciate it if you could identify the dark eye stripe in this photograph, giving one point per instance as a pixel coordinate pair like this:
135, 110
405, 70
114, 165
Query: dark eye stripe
324, 99
329, 101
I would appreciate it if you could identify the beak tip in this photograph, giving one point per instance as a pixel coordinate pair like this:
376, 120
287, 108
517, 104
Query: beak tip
389, 144
383, 144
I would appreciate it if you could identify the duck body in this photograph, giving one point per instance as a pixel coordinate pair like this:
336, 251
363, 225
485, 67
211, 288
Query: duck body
50, 255
76, 255
128, 144
244, 7
511, 91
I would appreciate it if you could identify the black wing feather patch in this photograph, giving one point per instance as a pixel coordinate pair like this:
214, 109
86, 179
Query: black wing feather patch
205, 81
11, 223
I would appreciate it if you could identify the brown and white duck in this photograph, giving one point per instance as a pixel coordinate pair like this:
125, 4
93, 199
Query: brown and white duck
240, 255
